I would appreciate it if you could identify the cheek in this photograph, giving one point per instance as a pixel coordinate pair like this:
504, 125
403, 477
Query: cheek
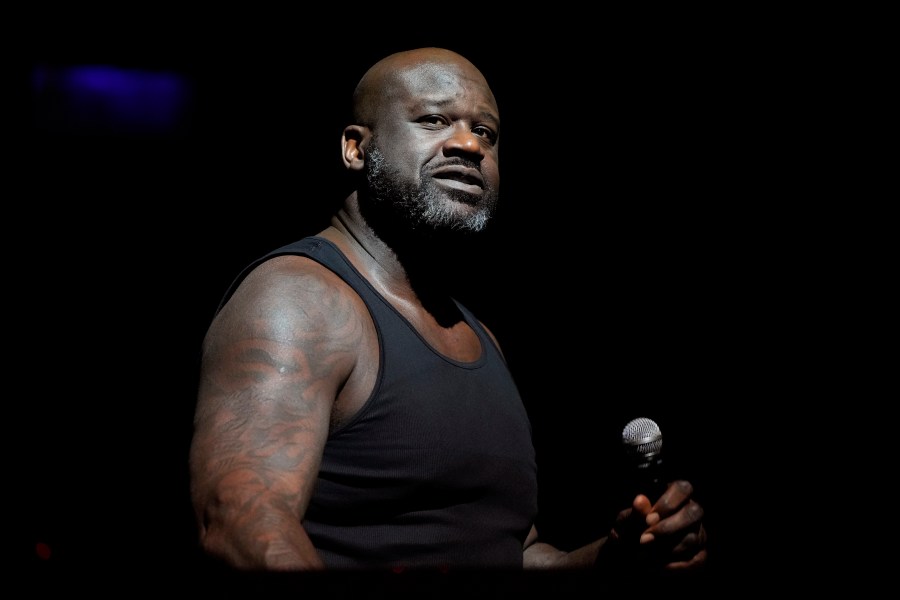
491, 173
408, 160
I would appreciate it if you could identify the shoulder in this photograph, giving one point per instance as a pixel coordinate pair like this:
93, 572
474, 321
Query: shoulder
286, 295
297, 276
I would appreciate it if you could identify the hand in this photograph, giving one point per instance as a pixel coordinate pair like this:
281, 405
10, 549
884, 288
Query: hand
667, 535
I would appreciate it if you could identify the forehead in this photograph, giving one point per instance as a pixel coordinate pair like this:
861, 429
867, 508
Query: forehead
443, 85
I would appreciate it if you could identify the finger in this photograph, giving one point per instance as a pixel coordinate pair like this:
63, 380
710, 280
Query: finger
691, 514
642, 505
691, 543
630, 522
675, 495
694, 562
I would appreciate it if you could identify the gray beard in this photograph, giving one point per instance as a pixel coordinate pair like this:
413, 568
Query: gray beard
425, 208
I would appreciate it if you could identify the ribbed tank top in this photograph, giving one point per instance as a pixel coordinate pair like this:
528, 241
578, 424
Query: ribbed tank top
437, 469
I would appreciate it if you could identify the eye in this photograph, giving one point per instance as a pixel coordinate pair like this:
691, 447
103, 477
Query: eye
435, 120
485, 132
438, 122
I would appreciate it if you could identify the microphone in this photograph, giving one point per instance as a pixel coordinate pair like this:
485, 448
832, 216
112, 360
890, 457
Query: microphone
642, 440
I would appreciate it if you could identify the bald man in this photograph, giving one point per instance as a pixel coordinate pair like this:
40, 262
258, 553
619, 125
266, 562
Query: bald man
352, 414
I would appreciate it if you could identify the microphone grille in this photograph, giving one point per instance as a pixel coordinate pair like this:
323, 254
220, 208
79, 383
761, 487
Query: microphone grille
642, 437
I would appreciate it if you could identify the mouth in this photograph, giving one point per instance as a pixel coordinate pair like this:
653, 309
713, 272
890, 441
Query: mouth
461, 178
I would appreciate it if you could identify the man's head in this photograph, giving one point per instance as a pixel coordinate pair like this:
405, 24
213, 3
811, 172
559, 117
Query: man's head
424, 140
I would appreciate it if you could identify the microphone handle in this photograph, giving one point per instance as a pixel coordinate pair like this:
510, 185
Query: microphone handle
650, 479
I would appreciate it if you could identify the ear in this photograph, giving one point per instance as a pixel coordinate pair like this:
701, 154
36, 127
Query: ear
352, 146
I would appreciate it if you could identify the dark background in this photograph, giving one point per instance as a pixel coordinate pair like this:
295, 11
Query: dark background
640, 266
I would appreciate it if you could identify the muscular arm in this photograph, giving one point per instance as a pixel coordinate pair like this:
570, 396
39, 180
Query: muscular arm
274, 361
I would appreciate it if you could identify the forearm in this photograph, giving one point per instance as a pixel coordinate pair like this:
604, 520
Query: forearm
544, 556
270, 544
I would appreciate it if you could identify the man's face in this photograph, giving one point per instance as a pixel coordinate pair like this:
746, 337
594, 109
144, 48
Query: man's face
432, 160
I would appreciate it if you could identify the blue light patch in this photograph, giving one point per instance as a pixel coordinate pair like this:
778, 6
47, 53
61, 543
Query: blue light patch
110, 100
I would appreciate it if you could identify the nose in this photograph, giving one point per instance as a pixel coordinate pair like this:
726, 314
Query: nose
463, 140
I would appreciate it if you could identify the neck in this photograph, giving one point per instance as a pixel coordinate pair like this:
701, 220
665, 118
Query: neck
405, 267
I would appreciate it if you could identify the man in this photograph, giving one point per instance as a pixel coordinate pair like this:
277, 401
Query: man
351, 413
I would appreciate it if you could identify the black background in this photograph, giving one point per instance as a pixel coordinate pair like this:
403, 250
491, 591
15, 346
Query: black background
641, 263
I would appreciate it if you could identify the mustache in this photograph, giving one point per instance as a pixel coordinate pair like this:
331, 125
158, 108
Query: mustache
455, 162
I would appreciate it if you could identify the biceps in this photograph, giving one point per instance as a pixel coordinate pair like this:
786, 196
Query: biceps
261, 423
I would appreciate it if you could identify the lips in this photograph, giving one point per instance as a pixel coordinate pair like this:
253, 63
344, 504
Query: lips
467, 176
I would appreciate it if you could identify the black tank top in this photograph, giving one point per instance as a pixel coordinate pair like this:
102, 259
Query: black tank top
437, 469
